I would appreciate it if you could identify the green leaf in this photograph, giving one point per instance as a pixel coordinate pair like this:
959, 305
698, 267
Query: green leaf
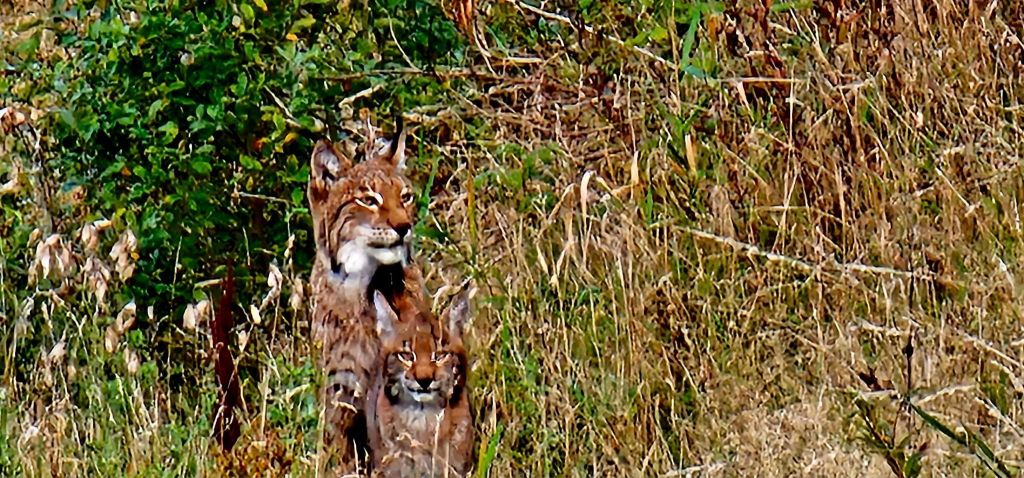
27, 47
249, 163
170, 130
659, 33
67, 117
786, 6
691, 35
247, 12
177, 85
241, 85
201, 166
155, 108
302, 24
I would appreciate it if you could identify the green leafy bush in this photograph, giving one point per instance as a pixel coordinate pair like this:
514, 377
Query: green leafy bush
190, 123
188, 126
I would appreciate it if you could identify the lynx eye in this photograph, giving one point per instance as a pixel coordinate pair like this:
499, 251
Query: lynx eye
369, 199
406, 357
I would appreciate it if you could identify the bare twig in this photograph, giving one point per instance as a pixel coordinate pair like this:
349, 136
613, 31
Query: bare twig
362, 94
808, 267
566, 20
246, 195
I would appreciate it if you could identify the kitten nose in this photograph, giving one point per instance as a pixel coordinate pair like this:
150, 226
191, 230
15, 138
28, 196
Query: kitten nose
424, 383
402, 229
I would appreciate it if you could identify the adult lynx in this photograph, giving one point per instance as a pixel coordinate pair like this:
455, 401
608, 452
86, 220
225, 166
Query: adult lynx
363, 214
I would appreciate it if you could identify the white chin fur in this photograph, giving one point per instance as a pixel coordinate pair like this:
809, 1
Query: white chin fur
388, 256
355, 259
360, 260
422, 397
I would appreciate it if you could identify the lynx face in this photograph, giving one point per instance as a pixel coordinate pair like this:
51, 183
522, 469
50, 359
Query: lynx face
420, 420
424, 358
363, 213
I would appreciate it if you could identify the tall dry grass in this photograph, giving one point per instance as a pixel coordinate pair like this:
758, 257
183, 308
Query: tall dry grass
751, 271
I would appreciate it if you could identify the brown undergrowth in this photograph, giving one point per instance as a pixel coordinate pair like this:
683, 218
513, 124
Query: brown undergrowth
775, 239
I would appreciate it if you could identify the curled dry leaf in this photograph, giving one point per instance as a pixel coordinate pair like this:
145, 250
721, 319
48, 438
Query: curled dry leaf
202, 309
34, 236
463, 13
10, 187
27, 306
131, 361
57, 353
274, 278
255, 311
89, 237
243, 340
126, 318
28, 435
124, 254
111, 339
297, 297
188, 320
52, 256
11, 117
289, 247
43, 257
96, 276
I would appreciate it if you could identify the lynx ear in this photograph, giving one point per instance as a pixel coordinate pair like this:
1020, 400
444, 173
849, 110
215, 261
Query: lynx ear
457, 313
327, 163
397, 151
386, 316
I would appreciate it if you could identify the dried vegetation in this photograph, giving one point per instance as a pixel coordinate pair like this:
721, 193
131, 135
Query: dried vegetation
776, 239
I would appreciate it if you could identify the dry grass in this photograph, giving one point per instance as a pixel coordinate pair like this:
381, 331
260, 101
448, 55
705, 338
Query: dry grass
701, 277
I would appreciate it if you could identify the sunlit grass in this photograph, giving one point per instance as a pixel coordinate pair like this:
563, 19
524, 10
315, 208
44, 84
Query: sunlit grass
680, 274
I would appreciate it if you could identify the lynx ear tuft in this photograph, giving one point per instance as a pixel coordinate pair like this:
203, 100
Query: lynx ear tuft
327, 163
397, 151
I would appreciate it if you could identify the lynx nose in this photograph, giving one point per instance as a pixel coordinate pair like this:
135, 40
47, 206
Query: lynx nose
424, 383
402, 229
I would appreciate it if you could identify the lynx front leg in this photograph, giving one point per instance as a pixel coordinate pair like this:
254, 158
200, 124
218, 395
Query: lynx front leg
345, 439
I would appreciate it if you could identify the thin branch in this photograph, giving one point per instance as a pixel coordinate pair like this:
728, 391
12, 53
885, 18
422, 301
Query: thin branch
566, 20
808, 267
752, 250
364, 93
246, 195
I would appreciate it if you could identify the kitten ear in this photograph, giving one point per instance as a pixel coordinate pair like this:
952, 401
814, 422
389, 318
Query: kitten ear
327, 163
386, 316
457, 313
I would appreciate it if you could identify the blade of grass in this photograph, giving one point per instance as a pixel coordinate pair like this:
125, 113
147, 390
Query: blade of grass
972, 442
487, 457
